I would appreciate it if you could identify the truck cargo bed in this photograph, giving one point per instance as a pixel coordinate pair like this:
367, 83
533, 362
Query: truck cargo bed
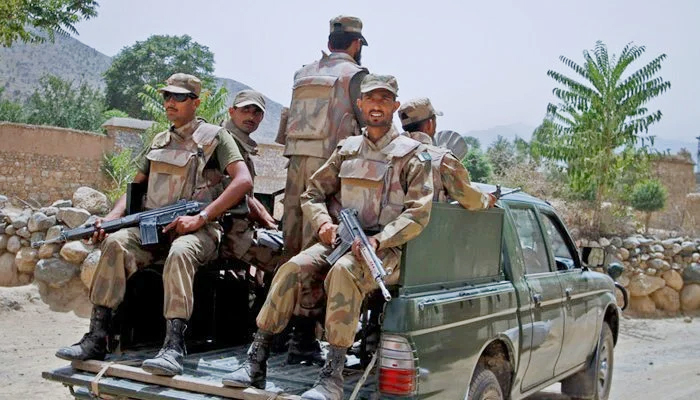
200, 380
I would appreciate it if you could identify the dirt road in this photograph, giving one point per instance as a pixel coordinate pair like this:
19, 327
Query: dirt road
654, 359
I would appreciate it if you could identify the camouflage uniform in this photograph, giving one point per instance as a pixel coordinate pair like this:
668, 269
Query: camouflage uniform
240, 241
322, 113
390, 184
176, 155
450, 178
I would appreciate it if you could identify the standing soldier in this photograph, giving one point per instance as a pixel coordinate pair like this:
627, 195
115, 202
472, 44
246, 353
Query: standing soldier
176, 167
243, 240
450, 178
387, 178
323, 111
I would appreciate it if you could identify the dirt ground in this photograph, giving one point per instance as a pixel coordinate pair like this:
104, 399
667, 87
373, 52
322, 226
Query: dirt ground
654, 359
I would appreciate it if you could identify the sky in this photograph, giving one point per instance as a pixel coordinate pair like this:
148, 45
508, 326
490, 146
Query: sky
483, 63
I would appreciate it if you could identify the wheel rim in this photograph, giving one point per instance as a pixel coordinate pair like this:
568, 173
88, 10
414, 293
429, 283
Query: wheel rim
604, 368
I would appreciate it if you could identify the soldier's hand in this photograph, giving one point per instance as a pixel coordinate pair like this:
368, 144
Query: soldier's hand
356, 246
99, 234
185, 224
492, 200
270, 223
327, 233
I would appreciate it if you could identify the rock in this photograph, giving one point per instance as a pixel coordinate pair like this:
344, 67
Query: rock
23, 232
87, 268
644, 257
3, 225
642, 304
604, 242
593, 243
645, 241
73, 217
49, 250
676, 248
650, 271
644, 285
54, 232
49, 211
695, 257
3, 200
25, 279
8, 270
19, 220
75, 251
668, 243
10, 230
690, 297
656, 263
73, 296
3, 242
616, 241
623, 253
37, 237
24, 242
39, 222
657, 248
14, 244
688, 248
691, 273
26, 260
666, 299
630, 243
62, 203
687, 320
673, 279
623, 280
634, 261
658, 255
91, 200
55, 271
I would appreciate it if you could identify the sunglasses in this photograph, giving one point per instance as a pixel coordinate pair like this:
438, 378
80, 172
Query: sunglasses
179, 97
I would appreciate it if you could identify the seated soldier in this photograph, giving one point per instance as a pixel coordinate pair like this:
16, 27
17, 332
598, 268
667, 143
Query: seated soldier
203, 147
248, 239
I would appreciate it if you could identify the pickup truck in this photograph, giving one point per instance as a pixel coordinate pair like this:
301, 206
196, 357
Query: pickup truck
493, 304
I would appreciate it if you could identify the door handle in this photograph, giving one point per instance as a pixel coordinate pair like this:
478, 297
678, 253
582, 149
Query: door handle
568, 292
537, 298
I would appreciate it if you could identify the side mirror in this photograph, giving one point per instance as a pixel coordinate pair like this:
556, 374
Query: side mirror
615, 270
593, 256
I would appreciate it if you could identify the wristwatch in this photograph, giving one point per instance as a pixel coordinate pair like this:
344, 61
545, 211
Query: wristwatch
205, 215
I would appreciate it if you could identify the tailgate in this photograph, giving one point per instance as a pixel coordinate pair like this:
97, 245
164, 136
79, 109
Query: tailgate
200, 380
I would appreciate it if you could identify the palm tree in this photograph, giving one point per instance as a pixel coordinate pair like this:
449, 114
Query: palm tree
599, 127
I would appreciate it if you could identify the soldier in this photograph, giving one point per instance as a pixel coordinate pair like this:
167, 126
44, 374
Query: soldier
322, 112
175, 168
385, 176
243, 240
450, 178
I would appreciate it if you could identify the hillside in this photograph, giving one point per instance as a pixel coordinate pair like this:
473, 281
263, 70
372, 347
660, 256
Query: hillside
22, 65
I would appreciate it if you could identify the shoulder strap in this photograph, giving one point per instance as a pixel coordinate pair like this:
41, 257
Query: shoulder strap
351, 145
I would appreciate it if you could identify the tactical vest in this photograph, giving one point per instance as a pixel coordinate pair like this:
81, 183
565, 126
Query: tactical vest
371, 180
436, 155
177, 166
321, 113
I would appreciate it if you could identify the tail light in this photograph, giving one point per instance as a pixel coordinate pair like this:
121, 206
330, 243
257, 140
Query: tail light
397, 366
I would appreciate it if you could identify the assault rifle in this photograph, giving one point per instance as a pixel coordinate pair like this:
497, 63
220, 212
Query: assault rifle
148, 221
348, 230
498, 194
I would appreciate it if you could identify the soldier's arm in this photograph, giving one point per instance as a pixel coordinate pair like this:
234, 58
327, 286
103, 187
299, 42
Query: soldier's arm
322, 184
231, 161
259, 214
418, 202
455, 178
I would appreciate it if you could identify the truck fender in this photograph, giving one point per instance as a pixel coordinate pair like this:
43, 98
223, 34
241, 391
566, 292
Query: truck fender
499, 347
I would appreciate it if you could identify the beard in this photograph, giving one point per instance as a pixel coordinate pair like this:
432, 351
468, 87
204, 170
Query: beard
379, 123
358, 56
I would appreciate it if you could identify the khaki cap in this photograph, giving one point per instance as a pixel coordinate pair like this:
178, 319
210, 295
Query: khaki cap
373, 82
348, 24
249, 97
182, 83
416, 110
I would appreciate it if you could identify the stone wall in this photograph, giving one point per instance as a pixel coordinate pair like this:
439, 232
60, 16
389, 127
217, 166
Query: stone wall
42, 163
676, 174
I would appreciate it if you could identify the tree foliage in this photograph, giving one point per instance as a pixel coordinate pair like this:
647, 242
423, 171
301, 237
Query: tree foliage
478, 165
11, 111
152, 62
501, 154
121, 169
599, 127
648, 196
47, 17
58, 103
472, 142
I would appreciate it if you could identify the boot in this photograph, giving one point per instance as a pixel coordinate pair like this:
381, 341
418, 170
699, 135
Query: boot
168, 361
254, 371
329, 385
303, 346
93, 345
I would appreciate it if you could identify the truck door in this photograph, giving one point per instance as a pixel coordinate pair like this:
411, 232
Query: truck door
546, 330
580, 319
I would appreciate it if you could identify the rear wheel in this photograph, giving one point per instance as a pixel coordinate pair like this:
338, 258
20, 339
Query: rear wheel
484, 386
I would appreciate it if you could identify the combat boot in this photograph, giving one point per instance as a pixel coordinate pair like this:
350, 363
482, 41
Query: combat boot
303, 346
253, 372
168, 361
93, 345
329, 385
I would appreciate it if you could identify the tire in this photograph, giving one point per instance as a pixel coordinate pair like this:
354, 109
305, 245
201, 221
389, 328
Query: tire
484, 386
594, 381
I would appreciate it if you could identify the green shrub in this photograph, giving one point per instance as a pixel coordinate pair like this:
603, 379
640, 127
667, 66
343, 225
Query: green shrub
648, 196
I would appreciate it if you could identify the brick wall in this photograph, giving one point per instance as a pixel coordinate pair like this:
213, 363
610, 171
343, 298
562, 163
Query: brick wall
44, 164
